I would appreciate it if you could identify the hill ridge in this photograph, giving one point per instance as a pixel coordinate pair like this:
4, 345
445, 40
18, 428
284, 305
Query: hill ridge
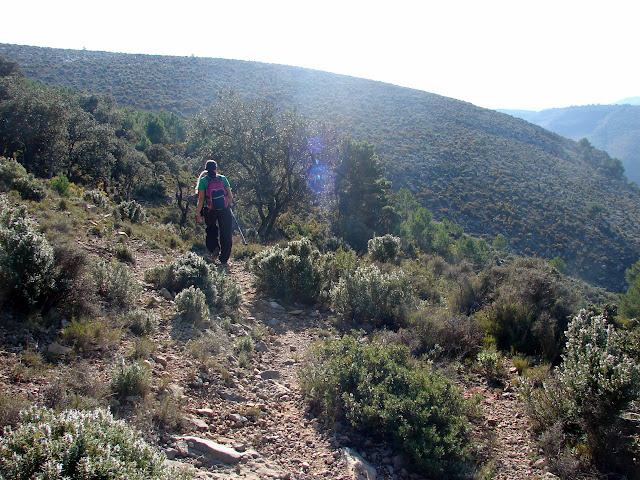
487, 171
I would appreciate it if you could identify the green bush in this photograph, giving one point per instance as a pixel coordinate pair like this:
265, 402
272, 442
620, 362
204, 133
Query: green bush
371, 296
132, 211
529, 308
384, 249
13, 176
140, 322
26, 259
74, 445
116, 283
588, 391
60, 184
293, 273
190, 269
131, 380
380, 389
191, 304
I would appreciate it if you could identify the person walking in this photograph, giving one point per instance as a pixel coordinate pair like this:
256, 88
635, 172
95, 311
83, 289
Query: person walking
214, 204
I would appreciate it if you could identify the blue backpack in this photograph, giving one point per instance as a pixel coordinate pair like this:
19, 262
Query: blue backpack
216, 193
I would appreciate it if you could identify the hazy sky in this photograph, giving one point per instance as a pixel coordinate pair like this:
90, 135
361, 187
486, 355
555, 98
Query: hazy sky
493, 53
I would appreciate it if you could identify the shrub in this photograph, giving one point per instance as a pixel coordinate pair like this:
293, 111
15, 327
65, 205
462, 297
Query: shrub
131, 380
91, 337
453, 336
530, 309
588, 391
124, 254
116, 283
140, 322
379, 388
190, 269
77, 445
291, 273
97, 197
13, 176
74, 291
384, 249
191, 304
60, 184
132, 211
372, 296
26, 259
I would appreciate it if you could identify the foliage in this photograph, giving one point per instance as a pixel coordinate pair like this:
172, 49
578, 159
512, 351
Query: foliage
140, 322
440, 333
589, 390
293, 273
76, 445
528, 309
630, 300
131, 380
96, 337
132, 211
192, 270
26, 259
371, 296
13, 176
363, 196
265, 151
384, 249
490, 172
60, 184
379, 388
116, 284
96, 197
191, 304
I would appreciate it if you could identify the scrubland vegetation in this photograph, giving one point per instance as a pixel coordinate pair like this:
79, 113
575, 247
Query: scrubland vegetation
417, 303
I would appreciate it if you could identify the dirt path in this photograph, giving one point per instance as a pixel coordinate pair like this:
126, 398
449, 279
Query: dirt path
261, 408
249, 407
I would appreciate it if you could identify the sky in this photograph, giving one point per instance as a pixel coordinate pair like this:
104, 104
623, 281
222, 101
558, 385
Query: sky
498, 54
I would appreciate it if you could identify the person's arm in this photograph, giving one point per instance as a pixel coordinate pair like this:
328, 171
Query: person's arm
229, 195
201, 195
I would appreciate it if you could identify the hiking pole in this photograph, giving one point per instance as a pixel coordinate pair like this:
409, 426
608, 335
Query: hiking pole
244, 241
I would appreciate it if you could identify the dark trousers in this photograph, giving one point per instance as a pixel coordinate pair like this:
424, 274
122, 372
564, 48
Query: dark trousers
219, 230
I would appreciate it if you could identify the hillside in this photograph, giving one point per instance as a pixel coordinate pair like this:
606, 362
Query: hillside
614, 128
489, 172
222, 413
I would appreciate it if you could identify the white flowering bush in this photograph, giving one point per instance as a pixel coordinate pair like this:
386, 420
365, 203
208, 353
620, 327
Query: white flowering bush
598, 378
584, 398
132, 211
372, 296
384, 249
191, 304
78, 445
27, 270
97, 197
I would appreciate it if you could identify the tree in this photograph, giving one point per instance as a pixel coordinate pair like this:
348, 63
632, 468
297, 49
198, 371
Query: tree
266, 152
630, 300
363, 195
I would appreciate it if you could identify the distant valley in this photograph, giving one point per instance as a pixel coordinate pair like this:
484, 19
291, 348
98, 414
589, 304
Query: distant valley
614, 128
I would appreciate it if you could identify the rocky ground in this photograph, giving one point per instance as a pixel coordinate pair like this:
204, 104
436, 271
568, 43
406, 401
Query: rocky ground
243, 416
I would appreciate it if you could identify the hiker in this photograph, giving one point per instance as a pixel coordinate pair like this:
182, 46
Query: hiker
217, 211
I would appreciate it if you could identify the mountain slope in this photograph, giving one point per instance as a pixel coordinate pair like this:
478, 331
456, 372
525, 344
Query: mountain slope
488, 171
614, 128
